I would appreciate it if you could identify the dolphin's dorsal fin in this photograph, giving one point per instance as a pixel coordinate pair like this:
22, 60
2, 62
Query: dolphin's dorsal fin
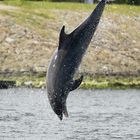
76, 83
62, 37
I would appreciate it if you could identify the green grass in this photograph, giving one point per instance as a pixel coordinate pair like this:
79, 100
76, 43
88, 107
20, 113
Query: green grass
113, 8
123, 9
111, 82
26, 81
49, 5
34, 14
34, 19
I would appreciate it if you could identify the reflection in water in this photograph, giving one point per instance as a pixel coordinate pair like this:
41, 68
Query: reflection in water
94, 115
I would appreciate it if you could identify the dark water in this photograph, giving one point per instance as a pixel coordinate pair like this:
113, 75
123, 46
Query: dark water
25, 114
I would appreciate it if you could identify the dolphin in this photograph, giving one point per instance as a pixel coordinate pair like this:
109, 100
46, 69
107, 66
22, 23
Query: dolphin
66, 60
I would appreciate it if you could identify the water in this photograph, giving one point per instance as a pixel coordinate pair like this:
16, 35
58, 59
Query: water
25, 114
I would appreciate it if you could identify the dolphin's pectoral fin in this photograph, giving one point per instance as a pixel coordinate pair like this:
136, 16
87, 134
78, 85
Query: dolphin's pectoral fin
75, 84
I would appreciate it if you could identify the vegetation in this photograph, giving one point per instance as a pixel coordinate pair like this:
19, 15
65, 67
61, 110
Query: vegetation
96, 82
101, 82
136, 2
32, 5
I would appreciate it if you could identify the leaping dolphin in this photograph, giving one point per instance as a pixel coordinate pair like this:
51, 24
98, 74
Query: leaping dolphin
66, 60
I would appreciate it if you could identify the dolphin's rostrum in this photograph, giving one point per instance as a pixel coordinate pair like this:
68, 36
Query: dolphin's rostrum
66, 60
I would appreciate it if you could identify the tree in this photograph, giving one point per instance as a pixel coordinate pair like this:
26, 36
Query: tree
136, 2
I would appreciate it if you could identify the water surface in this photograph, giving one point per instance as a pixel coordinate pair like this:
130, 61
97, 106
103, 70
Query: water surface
25, 114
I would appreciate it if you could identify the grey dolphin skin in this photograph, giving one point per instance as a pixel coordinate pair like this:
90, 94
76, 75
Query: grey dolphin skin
66, 60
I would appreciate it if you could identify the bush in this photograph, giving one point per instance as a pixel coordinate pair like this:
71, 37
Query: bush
136, 2
66, 0
121, 1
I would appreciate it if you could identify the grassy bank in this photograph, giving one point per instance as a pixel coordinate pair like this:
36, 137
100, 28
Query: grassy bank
99, 82
111, 82
29, 36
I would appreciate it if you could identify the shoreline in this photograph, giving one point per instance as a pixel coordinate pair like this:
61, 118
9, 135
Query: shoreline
94, 82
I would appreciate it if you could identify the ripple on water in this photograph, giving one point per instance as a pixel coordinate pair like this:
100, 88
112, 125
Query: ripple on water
94, 115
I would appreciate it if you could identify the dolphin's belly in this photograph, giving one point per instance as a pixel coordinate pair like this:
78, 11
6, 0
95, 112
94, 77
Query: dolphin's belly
71, 63
54, 78
63, 66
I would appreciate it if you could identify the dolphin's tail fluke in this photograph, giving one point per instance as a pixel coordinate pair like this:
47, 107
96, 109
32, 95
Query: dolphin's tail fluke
85, 31
93, 20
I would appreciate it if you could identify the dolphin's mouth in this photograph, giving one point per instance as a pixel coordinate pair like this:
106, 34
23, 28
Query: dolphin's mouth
65, 113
